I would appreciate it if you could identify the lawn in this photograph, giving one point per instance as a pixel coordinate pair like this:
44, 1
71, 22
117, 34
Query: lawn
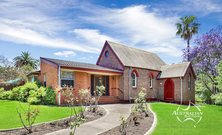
167, 123
9, 117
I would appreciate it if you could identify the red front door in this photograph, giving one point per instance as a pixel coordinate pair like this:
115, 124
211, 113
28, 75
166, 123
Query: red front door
169, 90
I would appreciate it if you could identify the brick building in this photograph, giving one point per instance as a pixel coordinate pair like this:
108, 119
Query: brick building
124, 71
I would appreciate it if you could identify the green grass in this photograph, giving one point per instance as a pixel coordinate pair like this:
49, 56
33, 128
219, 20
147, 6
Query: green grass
167, 123
9, 117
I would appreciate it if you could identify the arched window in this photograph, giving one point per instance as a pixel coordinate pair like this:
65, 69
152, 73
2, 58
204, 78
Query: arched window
189, 82
134, 79
151, 81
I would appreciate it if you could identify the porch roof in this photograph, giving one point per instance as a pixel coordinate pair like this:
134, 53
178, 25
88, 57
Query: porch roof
79, 66
34, 73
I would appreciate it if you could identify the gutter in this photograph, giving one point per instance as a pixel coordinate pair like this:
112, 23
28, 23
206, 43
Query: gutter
181, 90
130, 84
59, 76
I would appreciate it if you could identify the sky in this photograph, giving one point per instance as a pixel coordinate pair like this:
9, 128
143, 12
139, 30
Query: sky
76, 30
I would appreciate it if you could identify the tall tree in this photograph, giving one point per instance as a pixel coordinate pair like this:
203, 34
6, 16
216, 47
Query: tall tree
205, 56
25, 59
187, 27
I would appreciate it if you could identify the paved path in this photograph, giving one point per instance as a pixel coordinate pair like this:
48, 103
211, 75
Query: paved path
103, 124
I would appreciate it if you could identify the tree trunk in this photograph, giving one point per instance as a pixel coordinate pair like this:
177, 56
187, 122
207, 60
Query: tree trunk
188, 50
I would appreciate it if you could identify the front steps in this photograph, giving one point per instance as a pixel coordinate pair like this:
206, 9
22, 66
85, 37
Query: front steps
109, 100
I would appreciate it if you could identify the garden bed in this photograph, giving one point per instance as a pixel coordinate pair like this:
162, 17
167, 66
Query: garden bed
144, 125
48, 127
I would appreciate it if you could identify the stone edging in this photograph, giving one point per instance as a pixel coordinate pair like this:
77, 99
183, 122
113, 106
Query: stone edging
154, 123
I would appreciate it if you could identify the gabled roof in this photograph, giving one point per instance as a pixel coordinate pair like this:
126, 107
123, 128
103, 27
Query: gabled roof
175, 70
133, 57
77, 64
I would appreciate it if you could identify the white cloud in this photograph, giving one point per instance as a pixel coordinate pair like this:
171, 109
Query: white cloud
27, 36
136, 25
93, 36
10, 60
206, 6
66, 53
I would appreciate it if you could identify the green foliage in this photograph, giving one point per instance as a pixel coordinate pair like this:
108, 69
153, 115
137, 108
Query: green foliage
9, 116
1, 93
31, 92
77, 123
219, 77
217, 98
49, 98
26, 59
30, 116
124, 124
100, 90
202, 93
38, 83
140, 100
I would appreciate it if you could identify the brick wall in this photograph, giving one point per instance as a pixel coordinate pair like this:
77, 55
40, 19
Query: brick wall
82, 81
111, 61
143, 81
187, 94
51, 74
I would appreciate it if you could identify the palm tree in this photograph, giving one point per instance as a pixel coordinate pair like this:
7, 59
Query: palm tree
187, 28
26, 59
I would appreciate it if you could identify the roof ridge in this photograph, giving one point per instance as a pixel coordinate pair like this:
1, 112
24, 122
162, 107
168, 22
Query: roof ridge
131, 47
176, 64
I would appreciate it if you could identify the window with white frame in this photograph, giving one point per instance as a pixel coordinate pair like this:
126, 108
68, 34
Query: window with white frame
189, 82
67, 78
151, 82
134, 79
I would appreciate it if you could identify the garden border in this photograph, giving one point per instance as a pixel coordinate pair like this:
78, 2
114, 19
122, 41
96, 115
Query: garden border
154, 122
2, 130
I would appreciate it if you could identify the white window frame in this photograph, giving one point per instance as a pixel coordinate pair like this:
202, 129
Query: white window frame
68, 79
151, 81
134, 74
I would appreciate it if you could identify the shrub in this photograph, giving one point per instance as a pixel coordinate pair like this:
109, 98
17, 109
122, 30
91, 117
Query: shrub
217, 98
49, 98
1, 93
24, 91
16, 92
29, 116
38, 83
31, 92
6, 95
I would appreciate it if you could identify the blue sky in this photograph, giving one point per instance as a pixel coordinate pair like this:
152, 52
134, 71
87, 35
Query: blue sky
76, 30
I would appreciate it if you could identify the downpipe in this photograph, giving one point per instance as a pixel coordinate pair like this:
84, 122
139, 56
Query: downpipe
130, 84
181, 90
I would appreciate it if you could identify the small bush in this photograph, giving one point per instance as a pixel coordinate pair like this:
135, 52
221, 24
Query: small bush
32, 92
217, 98
1, 93
49, 98
38, 83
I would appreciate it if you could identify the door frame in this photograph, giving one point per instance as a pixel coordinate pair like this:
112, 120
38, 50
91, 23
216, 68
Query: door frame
165, 86
103, 81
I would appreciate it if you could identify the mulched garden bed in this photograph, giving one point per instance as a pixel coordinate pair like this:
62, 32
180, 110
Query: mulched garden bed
145, 124
56, 125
